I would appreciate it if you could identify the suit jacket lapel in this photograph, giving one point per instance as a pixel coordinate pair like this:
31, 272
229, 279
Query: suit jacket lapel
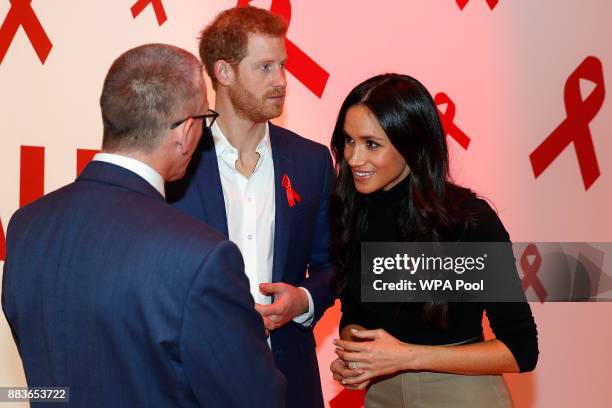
211, 190
282, 222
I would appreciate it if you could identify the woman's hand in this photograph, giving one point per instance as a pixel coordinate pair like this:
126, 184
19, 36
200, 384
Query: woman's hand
342, 372
340, 369
377, 353
380, 354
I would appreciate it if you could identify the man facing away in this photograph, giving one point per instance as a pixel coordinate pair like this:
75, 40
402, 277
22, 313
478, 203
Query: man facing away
265, 188
113, 293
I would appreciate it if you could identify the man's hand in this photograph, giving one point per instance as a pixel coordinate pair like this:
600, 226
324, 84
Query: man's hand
289, 302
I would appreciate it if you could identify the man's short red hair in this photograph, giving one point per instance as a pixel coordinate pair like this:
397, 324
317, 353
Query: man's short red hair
226, 38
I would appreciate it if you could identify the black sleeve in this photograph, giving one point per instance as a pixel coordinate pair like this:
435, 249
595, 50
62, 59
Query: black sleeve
353, 312
514, 326
512, 323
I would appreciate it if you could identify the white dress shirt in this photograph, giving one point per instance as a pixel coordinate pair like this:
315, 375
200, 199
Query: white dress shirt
250, 210
143, 170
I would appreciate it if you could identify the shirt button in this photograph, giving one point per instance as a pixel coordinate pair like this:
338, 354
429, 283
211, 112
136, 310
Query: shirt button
250, 237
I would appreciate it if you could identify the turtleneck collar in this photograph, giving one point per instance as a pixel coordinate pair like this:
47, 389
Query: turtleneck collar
393, 196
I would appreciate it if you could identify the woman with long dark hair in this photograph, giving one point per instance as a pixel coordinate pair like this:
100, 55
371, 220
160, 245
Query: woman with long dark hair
393, 186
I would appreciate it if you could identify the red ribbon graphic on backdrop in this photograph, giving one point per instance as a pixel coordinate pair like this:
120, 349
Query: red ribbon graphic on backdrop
447, 118
304, 68
292, 195
348, 399
2, 243
158, 7
530, 271
575, 128
491, 3
21, 14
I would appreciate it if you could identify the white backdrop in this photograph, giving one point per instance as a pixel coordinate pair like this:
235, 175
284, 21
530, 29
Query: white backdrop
503, 64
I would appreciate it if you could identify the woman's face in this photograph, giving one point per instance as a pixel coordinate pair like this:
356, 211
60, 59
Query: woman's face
374, 161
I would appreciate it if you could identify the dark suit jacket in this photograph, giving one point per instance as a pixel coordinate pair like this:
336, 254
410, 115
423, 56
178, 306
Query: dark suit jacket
131, 303
300, 244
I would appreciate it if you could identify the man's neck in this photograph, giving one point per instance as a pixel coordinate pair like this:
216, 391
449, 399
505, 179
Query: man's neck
242, 133
149, 159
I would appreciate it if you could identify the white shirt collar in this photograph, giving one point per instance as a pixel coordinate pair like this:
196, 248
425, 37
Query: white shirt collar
222, 144
143, 170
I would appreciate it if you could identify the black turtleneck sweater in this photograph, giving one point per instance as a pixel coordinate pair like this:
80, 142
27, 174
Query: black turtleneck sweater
512, 323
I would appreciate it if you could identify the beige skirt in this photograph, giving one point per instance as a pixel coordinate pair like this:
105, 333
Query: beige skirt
439, 390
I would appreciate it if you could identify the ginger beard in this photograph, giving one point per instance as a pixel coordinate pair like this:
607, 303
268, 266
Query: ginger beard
256, 109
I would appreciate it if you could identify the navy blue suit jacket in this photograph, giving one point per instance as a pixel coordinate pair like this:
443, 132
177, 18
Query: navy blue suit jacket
131, 303
301, 253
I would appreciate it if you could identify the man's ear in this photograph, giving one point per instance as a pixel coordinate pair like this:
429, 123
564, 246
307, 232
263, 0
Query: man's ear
224, 72
185, 138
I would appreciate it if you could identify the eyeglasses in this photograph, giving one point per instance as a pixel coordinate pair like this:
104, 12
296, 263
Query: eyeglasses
211, 114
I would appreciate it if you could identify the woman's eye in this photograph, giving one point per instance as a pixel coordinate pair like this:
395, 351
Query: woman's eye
372, 145
348, 140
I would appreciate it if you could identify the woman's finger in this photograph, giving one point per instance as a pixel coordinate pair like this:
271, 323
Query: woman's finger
367, 334
350, 345
338, 367
351, 356
366, 376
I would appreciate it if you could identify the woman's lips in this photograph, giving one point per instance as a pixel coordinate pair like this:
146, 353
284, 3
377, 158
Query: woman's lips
362, 175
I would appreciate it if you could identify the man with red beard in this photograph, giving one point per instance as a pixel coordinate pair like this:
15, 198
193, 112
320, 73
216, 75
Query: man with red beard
267, 189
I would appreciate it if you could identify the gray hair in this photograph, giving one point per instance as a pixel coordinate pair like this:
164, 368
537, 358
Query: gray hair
146, 89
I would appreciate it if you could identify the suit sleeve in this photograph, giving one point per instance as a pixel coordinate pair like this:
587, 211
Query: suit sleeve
223, 347
320, 270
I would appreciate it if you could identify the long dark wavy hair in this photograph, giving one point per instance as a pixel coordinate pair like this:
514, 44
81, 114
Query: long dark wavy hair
408, 115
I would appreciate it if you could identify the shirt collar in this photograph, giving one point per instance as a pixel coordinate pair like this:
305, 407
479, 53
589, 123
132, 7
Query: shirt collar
222, 144
143, 170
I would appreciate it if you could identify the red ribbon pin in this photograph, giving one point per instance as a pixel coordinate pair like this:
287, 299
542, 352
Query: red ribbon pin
304, 68
292, 195
491, 3
21, 14
530, 271
447, 118
575, 127
158, 7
